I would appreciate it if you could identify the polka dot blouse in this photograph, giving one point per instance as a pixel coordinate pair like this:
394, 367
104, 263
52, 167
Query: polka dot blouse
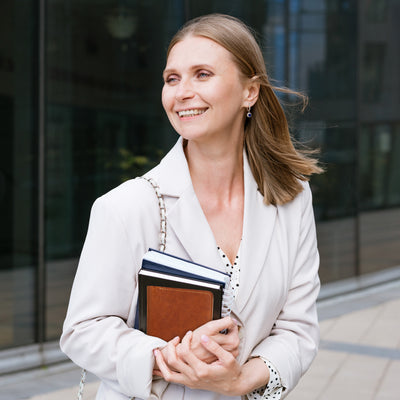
273, 389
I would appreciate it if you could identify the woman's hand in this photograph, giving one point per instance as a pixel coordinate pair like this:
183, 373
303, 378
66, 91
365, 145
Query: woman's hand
222, 376
229, 340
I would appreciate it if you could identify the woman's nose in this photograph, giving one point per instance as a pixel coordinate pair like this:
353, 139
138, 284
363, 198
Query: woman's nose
184, 90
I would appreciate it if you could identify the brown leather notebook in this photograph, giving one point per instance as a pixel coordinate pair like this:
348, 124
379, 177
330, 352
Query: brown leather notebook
174, 311
170, 306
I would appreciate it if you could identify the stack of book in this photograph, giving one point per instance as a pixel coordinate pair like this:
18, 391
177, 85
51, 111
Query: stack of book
177, 295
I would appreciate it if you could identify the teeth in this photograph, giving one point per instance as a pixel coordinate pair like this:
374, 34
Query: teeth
190, 113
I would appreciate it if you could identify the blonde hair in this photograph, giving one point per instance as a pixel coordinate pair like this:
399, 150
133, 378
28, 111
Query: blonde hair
276, 164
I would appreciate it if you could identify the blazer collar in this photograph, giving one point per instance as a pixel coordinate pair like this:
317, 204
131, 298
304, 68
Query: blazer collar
258, 226
184, 213
172, 174
186, 218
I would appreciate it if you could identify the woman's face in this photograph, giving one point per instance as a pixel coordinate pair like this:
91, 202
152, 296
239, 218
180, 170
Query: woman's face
204, 95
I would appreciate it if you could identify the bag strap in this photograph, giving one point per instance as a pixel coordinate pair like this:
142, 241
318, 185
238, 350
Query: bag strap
163, 214
162, 247
81, 384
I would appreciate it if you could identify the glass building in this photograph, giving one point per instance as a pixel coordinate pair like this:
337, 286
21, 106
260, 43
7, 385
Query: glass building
80, 110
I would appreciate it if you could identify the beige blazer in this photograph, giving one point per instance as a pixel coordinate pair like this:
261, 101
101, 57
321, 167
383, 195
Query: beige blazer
275, 303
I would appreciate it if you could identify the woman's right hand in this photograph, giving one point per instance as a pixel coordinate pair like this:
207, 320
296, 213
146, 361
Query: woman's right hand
229, 341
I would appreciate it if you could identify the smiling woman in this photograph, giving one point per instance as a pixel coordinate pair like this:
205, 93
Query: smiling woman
205, 98
237, 199
204, 94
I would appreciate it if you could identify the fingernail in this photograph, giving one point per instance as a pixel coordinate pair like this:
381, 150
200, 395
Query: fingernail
205, 338
155, 352
235, 321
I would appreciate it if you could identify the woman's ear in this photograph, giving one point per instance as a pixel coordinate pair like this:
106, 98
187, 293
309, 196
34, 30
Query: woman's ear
252, 91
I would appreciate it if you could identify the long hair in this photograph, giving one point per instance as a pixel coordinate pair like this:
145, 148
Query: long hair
276, 164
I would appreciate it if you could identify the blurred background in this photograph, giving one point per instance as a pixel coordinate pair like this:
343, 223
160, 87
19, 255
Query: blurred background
80, 112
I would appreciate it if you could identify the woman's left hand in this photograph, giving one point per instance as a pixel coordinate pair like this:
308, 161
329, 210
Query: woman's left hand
222, 376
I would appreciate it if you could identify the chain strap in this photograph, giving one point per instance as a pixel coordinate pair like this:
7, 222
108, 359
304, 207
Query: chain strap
162, 247
81, 384
163, 214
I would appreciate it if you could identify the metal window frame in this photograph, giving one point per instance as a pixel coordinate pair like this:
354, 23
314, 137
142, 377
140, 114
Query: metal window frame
41, 264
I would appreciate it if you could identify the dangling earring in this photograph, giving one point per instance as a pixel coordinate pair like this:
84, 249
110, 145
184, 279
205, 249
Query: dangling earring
249, 114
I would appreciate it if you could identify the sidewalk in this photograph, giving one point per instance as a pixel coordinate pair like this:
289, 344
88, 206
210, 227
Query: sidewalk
359, 356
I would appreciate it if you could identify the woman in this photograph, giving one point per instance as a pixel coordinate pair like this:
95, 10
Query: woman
237, 199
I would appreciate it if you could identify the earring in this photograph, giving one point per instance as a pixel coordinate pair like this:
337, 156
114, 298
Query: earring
249, 114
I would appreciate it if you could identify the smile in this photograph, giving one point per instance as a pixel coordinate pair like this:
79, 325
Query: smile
191, 113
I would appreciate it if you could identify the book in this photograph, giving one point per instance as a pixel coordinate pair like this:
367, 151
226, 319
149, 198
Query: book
177, 295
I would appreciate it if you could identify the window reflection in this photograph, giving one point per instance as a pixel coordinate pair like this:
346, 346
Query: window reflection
379, 239
376, 10
380, 180
379, 172
335, 202
372, 72
105, 122
18, 174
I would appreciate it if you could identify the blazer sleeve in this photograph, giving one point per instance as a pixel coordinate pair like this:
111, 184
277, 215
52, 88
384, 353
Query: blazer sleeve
293, 342
97, 333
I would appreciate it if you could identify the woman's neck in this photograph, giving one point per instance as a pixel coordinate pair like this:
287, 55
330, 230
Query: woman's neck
216, 169
217, 177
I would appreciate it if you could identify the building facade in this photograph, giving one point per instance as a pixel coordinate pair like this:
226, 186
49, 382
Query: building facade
80, 84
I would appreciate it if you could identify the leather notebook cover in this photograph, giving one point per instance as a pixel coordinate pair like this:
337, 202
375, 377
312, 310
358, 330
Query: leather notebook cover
173, 311
169, 307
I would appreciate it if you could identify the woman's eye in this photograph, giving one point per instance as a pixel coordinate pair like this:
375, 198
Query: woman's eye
171, 79
203, 74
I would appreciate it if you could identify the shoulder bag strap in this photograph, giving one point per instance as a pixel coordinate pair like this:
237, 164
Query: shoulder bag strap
163, 214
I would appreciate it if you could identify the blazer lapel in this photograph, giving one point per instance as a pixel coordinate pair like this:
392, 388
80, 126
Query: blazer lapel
258, 226
184, 213
193, 231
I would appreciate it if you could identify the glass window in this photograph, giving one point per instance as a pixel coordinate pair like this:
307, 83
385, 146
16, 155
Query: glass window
377, 11
377, 166
379, 140
325, 66
105, 122
335, 201
379, 239
393, 182
380, 197
18, 173
372, 72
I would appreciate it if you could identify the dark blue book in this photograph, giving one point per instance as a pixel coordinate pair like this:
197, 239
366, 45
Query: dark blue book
158, 261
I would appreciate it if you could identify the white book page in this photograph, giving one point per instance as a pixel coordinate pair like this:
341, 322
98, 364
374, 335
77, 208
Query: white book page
179, 279
187, 266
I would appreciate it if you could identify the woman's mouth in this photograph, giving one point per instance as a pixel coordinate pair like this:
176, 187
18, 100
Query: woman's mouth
192, 112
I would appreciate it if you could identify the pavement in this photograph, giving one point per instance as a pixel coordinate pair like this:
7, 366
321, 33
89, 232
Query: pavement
359, 356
